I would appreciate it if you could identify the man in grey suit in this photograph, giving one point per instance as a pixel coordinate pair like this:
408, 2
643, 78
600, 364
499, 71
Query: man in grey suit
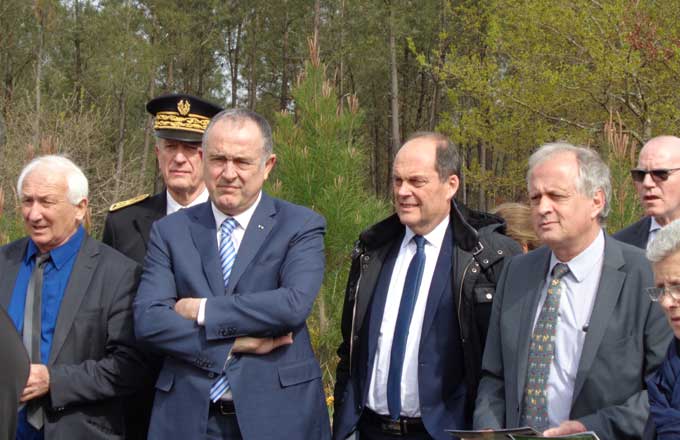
657, 182
571, 336
70, 297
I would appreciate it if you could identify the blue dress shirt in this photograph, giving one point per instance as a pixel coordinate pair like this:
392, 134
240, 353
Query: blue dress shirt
55, 279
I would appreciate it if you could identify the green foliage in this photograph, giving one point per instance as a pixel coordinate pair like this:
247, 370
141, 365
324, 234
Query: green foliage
522, 73
322, 164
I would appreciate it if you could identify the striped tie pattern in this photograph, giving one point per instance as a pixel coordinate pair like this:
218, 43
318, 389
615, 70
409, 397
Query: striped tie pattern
227, 257
542, 353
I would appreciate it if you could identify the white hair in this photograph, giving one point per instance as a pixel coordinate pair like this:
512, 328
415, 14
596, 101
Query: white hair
666, 242
593, 173
76, 181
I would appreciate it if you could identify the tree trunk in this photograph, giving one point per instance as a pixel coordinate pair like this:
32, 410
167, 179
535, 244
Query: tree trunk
481, 194
78, 67
122, 113
341, 75
234, 52
40, 14
252, 74
394, 89
283, 101
317, 22
148, 129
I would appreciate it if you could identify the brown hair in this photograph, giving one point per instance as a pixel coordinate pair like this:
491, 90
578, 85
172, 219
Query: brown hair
517, 217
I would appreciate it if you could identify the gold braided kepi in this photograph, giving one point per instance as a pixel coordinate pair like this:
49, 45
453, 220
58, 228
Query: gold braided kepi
181, 117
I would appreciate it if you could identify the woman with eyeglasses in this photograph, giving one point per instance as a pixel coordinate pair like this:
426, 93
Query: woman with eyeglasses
664, 385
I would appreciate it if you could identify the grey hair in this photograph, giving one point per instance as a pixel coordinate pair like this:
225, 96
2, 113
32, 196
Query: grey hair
593, 173
447, 159
76, 181
666, 242
240, 115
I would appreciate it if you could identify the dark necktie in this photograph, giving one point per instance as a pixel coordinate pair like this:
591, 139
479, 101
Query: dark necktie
33, 331
414, 275
542, 353
227, 257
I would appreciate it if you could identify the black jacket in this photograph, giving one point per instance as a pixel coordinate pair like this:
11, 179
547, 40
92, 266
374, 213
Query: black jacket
480, 249
127, 229
636, 234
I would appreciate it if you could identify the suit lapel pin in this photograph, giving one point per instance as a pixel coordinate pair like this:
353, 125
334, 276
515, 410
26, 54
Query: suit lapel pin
260, 227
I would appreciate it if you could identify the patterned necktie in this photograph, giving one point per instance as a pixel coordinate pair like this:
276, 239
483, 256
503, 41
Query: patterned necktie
542, 353
414, 275
227, 257
32, 334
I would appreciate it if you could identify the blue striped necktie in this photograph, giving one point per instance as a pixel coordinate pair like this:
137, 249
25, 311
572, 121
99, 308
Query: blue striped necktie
414, 275
227, 257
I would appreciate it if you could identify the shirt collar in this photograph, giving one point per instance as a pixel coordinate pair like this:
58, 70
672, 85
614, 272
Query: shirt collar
585, 262
242, 219
174, 206
435, 237
654, 225
61, 254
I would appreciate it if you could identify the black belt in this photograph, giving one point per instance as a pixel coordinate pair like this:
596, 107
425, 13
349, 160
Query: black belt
224, 407
401, 426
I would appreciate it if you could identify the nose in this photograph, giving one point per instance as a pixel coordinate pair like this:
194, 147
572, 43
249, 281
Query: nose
648, 181
402, 189
34, 213
544, 206
229, 170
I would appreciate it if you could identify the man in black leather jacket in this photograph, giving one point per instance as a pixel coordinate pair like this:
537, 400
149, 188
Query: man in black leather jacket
441, 367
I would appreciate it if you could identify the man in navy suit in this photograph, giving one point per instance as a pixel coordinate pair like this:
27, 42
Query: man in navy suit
412, 345
657, 181
226, 289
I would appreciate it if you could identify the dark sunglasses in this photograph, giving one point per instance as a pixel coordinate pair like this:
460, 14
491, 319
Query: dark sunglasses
659, 175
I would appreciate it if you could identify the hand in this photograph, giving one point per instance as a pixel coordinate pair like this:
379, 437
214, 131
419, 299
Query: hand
566, 428
249, 344
188, 308
38, 383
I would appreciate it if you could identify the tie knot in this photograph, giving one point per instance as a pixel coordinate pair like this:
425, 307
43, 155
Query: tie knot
228, 225
560, 270
41, 259
420, 242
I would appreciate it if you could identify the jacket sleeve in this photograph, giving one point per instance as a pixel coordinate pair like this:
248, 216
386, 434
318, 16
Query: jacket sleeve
280, 310
342, 371
490, 403
156, 322
121, 370
627, 420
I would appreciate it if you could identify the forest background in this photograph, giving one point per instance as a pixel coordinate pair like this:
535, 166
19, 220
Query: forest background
343, 82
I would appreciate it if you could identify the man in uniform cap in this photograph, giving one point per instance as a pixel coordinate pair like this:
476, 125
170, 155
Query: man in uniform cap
180, 121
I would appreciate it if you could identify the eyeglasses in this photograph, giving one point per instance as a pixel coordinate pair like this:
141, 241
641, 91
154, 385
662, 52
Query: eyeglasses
657, 293
659, 175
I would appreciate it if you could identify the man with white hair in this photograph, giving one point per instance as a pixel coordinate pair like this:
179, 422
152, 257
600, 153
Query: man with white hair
70, 297
571, 336
657, 182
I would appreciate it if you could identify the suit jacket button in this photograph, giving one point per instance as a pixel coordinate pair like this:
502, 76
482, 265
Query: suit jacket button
211, 375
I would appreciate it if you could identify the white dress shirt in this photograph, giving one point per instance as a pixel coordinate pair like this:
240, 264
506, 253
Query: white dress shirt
576, 305
654, 227
377, 392
173, 205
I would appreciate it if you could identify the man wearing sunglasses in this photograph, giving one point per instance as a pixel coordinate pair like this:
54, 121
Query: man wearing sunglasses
657, 181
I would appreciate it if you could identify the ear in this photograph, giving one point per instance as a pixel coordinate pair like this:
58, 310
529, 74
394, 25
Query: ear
453, 183
598, 203
81, 210
269, 165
